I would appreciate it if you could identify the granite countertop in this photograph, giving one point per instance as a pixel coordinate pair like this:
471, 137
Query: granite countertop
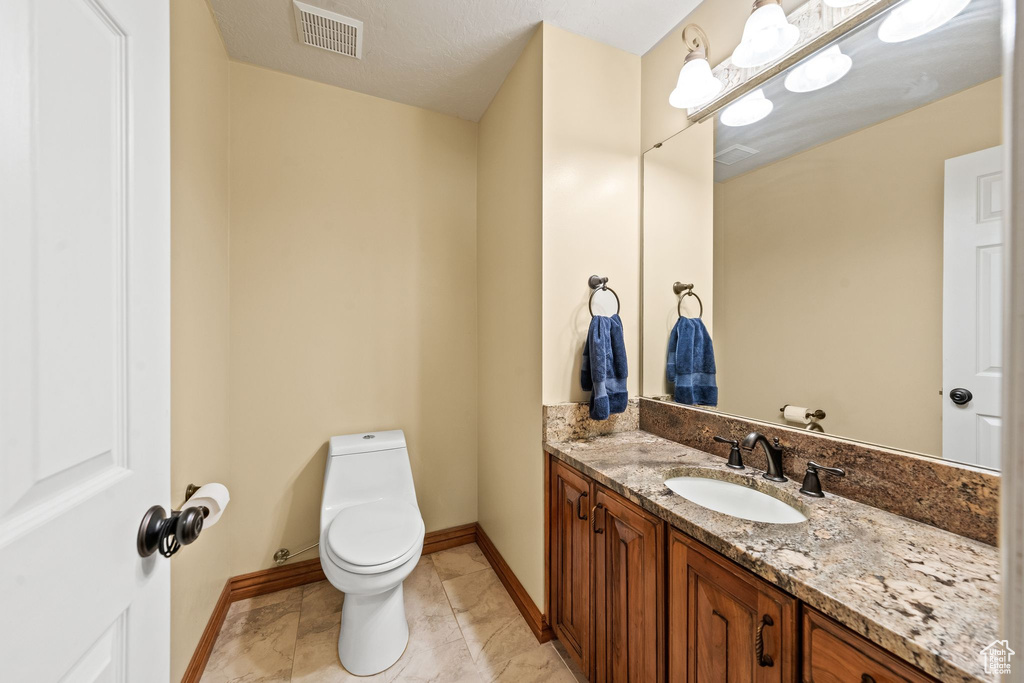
928, 596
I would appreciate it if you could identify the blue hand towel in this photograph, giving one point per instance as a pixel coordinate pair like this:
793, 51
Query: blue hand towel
691, 364
604, 369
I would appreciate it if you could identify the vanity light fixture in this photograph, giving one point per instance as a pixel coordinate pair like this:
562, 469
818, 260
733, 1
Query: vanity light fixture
914, 18
820, 71
767, 35
750, 109
696, 84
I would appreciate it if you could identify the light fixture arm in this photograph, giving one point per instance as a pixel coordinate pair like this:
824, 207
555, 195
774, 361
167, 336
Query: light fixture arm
696, 40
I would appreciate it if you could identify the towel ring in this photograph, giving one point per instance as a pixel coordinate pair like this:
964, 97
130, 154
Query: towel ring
601, 284
684, 291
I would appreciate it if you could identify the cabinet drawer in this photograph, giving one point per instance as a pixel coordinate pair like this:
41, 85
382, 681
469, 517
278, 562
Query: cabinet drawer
834, 654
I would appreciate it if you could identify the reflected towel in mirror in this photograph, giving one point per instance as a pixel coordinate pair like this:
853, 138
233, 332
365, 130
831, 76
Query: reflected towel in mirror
691, 364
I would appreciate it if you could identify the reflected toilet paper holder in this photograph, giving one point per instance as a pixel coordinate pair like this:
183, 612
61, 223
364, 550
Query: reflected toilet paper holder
818, 414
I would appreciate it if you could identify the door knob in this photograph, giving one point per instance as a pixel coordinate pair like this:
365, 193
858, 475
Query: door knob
157, 531
961, 396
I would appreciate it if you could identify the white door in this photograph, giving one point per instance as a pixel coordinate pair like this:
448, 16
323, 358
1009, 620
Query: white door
972, 308
84, 338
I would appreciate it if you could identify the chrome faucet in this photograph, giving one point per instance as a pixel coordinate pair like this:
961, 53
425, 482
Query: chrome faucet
772, 450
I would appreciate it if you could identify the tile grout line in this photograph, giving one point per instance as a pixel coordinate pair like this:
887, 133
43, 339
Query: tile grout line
565, 664
462, 633
448, 599
295, 643
518, 615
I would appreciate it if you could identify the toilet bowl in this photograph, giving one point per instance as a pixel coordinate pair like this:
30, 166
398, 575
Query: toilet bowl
371, 538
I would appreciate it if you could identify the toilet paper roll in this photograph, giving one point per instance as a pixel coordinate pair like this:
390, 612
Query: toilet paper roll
213, 497
796, 414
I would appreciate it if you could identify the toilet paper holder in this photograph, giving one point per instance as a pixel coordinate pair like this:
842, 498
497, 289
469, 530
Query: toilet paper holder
818, 414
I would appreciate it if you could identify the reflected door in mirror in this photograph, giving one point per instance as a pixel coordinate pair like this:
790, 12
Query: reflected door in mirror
972, 330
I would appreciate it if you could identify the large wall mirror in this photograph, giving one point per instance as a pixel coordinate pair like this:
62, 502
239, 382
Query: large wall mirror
851, 261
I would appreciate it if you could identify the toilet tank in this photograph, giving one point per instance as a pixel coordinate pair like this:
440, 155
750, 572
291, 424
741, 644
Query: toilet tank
366, 467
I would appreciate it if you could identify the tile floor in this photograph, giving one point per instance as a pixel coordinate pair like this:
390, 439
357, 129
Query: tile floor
463, 626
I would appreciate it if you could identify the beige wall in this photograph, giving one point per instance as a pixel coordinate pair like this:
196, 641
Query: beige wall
509, 280
361, 276
834, 257
353, 299
723, 22
591, 200
558, 186
678, 242
200, 241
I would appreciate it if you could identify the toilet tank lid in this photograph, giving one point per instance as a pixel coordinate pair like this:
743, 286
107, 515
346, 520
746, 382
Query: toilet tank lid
367, 442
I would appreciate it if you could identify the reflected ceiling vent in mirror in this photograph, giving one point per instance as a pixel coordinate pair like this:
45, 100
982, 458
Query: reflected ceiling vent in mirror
328, 30
734, 154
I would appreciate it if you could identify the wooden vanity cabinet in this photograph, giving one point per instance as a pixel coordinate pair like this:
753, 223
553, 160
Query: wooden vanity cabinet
628, 592
725, 624
570, 567
833, 653
606, 573
609, 594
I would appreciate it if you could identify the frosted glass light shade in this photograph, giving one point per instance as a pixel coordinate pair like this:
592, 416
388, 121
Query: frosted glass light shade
751, 109
914, 18
696, 85
767, 36
820, 71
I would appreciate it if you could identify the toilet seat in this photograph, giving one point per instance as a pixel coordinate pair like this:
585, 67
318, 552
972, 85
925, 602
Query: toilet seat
375, 537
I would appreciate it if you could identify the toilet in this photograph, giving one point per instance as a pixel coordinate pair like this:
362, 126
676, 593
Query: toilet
371, 537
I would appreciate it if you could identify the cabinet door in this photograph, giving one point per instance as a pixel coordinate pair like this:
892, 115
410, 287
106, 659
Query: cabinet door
725, 624
628, 592
834, 654
569, 515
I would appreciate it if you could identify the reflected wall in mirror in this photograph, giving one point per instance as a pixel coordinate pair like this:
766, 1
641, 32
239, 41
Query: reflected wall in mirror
851, 262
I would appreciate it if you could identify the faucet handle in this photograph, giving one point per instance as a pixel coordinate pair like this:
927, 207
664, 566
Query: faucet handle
812, 483
839, 472
735, 457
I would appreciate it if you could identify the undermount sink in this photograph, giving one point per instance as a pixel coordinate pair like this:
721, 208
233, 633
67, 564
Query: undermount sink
735, 500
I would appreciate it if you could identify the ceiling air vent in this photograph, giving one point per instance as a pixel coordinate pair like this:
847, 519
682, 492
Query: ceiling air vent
734, 154
328, 30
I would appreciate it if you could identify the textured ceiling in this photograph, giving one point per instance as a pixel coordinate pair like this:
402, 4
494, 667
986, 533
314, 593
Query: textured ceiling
450, 56
886, 80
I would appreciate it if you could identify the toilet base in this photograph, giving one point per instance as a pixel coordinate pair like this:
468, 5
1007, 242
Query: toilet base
374, 631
